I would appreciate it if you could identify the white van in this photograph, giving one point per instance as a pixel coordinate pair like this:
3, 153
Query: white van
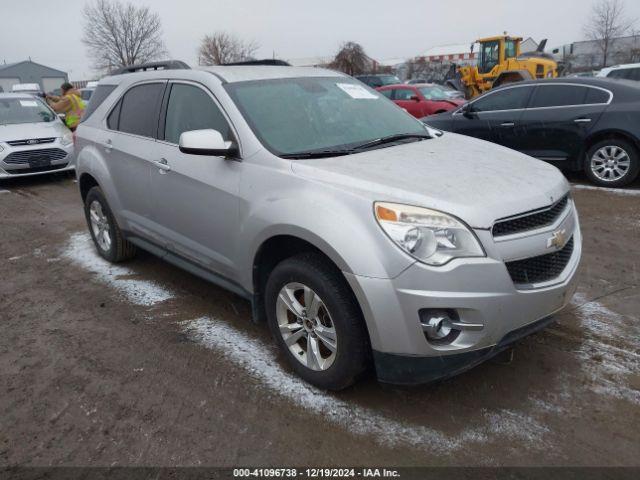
32, 88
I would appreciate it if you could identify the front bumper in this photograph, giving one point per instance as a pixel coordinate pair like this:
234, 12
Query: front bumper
480, 291
15, 169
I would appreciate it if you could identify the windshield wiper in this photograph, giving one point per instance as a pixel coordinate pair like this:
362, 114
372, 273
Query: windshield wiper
317, 154
391, 139
357, 148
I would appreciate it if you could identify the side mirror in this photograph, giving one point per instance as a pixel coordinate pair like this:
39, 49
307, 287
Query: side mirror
415, 98
206, 142
467, 111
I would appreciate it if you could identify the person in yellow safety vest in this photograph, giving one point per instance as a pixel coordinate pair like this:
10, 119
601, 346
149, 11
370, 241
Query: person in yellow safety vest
70, 103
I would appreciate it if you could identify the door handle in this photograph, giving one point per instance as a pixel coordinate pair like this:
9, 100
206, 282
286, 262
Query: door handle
508, 124
163, 165
582, 120
107, 145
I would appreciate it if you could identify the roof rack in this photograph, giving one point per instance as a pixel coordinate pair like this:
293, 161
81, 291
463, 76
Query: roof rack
267, 61
143, 67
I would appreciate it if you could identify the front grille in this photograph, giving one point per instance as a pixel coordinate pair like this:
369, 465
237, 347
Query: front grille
22, 171
542, 268
27, 156
31, 141
532, 220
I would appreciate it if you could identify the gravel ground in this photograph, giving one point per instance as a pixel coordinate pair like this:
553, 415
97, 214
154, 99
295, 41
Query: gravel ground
144, 364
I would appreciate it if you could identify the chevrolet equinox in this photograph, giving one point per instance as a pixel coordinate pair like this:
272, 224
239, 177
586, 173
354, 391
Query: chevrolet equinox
360, 235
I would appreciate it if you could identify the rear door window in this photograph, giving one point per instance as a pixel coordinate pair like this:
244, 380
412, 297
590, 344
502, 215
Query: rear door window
140, 109
99, 95
558, 96
514, 98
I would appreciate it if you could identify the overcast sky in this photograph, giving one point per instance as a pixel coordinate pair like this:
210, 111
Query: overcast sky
49, 32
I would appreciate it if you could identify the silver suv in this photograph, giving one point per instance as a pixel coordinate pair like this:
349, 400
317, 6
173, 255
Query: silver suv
360, 235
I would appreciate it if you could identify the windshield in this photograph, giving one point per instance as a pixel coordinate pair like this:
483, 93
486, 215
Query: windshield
24, 110
295, 115
434, 93
389, 79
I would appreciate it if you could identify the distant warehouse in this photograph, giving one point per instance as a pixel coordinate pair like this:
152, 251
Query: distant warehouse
31, 72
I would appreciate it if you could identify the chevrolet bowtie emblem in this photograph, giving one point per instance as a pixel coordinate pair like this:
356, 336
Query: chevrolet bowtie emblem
558, 239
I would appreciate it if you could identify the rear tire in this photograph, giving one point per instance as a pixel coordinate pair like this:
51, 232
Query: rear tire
317, 322
106, 234
612, 162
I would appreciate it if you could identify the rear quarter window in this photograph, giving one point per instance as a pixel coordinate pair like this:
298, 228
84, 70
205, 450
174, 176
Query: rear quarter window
99, 96
595, 95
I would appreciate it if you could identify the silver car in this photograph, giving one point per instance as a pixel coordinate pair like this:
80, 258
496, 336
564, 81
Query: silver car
362, 237
33, 139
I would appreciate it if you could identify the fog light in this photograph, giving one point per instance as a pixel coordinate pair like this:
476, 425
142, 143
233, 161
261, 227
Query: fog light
437, 324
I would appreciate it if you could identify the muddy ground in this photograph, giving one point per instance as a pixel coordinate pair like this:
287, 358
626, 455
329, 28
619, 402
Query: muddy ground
144, 364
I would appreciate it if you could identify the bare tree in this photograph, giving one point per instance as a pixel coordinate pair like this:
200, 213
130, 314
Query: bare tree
119, 34
221, 47
607, 21
351, 59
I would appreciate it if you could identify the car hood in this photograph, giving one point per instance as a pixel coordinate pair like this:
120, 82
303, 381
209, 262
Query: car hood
23, 131
477, 181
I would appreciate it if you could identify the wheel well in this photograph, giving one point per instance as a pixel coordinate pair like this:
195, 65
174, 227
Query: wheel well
271, 253
86, 183
609, 135
439, 111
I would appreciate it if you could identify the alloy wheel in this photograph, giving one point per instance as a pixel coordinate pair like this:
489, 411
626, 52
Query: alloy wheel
610, 163
306, 326
100, 226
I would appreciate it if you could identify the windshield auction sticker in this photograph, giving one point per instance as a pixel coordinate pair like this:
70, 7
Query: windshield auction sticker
28, 103
356, 91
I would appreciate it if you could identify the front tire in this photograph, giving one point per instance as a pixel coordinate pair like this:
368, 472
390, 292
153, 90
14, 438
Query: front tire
612, 163
316, 321
106, 234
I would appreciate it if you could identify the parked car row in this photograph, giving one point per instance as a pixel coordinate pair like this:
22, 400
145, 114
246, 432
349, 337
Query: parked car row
589, 124
421, 100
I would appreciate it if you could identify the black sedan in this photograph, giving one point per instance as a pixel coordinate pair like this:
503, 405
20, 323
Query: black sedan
585, 124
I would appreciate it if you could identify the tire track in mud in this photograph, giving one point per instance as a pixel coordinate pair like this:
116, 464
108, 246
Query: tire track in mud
258, 359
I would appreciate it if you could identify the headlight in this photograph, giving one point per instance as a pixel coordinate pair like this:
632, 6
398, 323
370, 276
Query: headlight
430, 236
67, 139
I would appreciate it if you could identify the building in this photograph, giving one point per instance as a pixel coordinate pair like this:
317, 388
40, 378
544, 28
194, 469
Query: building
31, 72
460, 54
587, 55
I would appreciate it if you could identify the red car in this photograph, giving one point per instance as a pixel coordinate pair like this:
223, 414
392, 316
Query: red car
422, 99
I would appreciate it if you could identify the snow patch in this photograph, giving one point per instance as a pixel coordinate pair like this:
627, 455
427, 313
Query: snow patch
5, 191
81, 251
617, 191
259, 361
13, 259
606, 365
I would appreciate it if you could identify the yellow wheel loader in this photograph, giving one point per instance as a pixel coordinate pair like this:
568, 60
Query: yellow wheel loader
500, 61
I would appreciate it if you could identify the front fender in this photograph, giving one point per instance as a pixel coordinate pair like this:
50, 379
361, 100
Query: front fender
341, 225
